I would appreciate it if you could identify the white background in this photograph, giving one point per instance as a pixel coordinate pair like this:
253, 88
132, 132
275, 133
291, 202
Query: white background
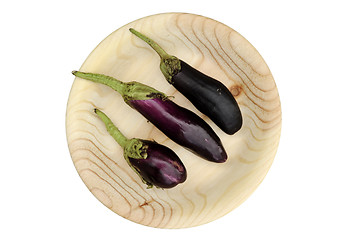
312, 191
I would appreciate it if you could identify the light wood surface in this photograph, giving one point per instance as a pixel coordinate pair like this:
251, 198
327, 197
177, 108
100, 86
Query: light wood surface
211, 190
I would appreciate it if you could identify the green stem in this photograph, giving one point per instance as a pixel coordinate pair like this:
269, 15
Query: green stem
170, 65
112, 129
162, 53
103, 79
132, 148
129, 91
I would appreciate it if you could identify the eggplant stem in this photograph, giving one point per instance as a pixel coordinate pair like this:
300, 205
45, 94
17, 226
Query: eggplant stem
112, 129
128, 90
132, 148
170, 65
103, 79
162, 53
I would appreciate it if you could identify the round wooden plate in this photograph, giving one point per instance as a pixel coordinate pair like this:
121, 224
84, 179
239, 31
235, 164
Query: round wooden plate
211, 190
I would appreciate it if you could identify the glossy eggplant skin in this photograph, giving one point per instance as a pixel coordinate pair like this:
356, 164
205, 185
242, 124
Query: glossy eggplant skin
179, 124
207, 94
162, 167
155, 164
183, 127
210, 97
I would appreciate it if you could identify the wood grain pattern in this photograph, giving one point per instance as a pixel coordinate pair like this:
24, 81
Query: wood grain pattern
211, 190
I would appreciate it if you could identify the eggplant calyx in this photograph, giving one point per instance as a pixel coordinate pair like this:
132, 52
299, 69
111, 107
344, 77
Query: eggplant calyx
170, 66
139, 91
135, 148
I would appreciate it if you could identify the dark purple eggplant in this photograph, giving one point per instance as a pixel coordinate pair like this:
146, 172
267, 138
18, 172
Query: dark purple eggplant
155, 164
180, 124
207, 94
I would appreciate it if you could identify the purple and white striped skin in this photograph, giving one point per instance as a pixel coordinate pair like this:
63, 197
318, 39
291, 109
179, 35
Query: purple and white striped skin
162, 167
183, 127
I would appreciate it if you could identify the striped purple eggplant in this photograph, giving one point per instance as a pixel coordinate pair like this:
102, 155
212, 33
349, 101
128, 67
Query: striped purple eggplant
180, 124
155, 164
207, 94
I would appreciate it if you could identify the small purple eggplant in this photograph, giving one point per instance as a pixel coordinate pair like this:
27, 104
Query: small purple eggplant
180, 124
155, 164
207, 94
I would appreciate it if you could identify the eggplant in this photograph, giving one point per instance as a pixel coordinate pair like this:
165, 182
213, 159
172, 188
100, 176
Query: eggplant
207, 94
182, 126
179, 124
156, 164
